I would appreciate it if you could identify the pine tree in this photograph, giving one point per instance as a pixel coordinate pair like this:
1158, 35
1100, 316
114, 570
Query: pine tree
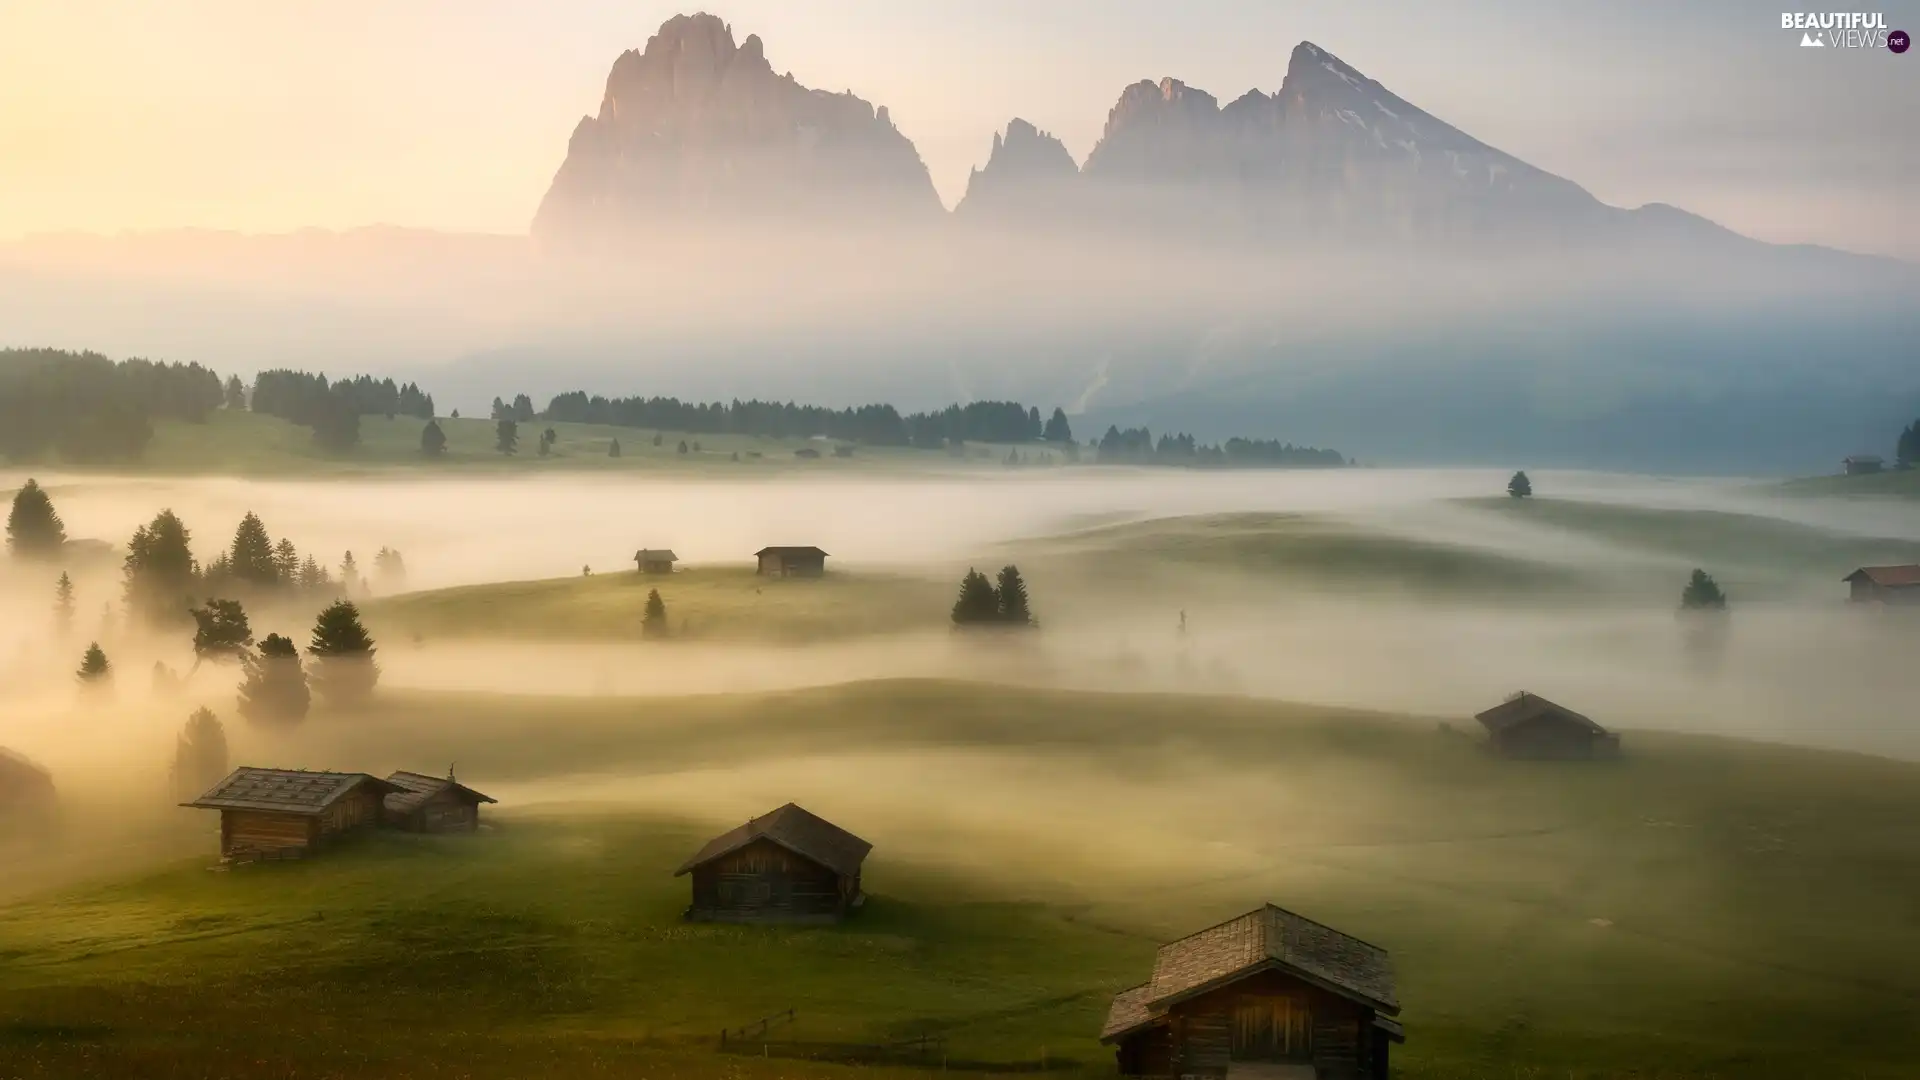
433, 441
274, 690
1058, 430
977, 604
659, 439
390, 569
546, 442
199, 755
613, 448
221, 631
312, 575
236, 393
1906, 453
1520, 487
506, 436
523, 408
286, 563
351, 582
34, 529
654, 623
1702, 593
63, 605
1011, 597
251, 559
94, 668
344, 671
682, 448
160, 571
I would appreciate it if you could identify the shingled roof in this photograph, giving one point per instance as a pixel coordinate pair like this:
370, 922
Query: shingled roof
412, 789
1888, 577
780, 550
804, 834
655, 555
1524, 706
286, 791
1268, 937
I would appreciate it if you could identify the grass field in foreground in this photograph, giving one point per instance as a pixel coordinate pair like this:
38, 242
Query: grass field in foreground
703, 604
1700, 909
1891, 482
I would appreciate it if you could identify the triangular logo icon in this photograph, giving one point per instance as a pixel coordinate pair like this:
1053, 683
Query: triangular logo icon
1808, 41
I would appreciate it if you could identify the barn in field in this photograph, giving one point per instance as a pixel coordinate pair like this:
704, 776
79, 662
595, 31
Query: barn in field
783, 866
791, 561
287, 813
1863, 464
1885, 584
1527, 725
434, 804
27, 801
1270, 994
655, 560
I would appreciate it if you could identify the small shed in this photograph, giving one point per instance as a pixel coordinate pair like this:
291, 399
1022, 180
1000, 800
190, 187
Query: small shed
285, 813
1527, 725
1863, 464
806, 452
1885, 584
27, 800
434, 804
1269, 993
655, 560
783, 866
791, 561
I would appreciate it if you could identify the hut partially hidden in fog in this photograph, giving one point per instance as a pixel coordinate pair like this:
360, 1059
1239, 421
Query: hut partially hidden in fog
1527, 725
287, 813
433, 804
1269, 994
784, 866
27, 801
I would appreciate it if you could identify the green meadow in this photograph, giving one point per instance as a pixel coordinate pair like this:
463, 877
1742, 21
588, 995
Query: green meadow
1701, 908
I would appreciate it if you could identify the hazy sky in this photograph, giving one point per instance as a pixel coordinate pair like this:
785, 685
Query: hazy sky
118, 114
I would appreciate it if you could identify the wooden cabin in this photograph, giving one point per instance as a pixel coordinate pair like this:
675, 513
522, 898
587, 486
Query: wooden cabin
28, 804
783, 866
1527, 725
431, 804
1885, 584
807, 453
1269, 994
791, 561
1863, 464
655, 560
286, 813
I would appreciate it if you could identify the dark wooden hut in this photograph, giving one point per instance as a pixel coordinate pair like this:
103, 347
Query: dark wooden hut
435, 804
286, 813
783, 866
28, 804
1885, 584
1863, 464
1269, 994
1527, 725
791, 561
655, 560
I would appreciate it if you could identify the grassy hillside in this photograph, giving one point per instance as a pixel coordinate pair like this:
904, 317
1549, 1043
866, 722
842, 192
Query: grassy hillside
703, 604
1903, 482
1699, 909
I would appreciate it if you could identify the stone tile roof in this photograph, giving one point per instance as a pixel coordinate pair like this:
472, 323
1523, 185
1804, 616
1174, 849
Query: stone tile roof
796, 830
287, 791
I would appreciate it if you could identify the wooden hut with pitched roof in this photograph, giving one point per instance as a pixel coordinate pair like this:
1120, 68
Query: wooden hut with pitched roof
786, 865
434, 804
1527, 725
287, 813
1268, 994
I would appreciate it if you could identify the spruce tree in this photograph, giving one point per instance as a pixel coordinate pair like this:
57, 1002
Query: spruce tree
682, 448
1011, 594
433, 441
63, 605
344, 671
977, 603
236, 393
1906, 452
312, 576
199, 755
94, 668
1702, 593
390, 569
659, 439
251, 559
221, 631
1520, 487
506, 436
160, 571
1058, 430
286, 563
654, 623
613, 448
274, 690
34, 529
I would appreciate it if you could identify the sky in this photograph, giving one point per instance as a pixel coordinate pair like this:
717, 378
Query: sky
453, 114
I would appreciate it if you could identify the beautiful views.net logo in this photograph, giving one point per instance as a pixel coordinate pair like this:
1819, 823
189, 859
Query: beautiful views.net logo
1844, 30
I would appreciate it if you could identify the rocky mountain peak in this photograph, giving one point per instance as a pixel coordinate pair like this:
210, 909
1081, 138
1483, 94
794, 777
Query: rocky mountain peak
1028, 172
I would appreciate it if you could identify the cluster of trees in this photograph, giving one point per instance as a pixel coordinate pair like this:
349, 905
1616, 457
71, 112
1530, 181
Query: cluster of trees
333, 409
877, 425
1906, 453
1137, 446
87, 408
985, 602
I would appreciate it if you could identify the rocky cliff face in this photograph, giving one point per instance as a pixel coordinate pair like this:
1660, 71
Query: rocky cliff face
1029, 176
697, 127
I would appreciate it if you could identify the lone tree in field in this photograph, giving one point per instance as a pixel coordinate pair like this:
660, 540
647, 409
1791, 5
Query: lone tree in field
236, 393
34, 530
659, 439
654, 623
199, 755
682, 448
160, 571
275, 688
344, 672
251, 559
613, 448
506, 437
221, 631
1011, 594
94, 668
1520, 487
978, 603
547, 439
63, 605
433, 441
1704, 620
1702, 594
